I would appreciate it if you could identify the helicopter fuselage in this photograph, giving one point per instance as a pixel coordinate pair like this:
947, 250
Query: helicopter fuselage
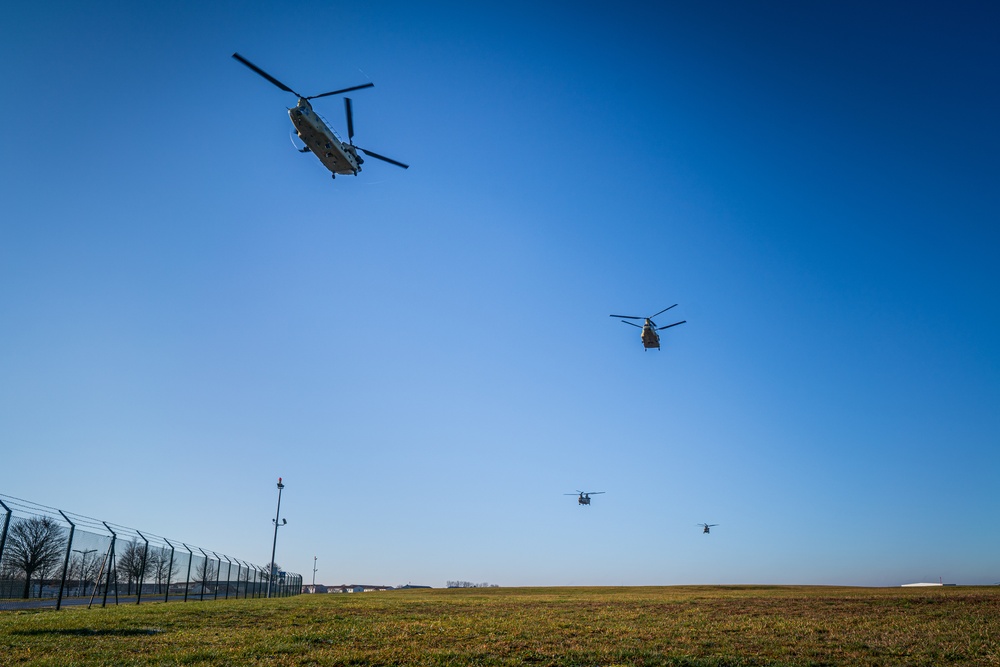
583, 500
335, 154
650, 339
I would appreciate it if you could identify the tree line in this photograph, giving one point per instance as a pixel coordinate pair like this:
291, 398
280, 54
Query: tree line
35, 549
469, 584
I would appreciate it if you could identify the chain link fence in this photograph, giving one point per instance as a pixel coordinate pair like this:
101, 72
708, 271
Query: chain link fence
51, 558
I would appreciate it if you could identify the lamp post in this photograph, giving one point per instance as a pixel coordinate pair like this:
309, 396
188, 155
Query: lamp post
274, 544
314, 573
83, 566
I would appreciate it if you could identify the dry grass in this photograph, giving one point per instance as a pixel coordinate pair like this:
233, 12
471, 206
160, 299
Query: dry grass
689, 625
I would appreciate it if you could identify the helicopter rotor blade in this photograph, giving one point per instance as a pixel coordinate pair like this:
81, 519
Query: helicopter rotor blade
383, 158
669, 325
348, 109
303, 149
629, 317
662, 311
342, 90
632, 323
264, 74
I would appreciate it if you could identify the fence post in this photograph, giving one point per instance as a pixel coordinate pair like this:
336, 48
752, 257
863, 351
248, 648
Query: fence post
218, 574
3, 533
170, 569
110, 563
142, 567
187, 579
69, 545
204, 573
229, 573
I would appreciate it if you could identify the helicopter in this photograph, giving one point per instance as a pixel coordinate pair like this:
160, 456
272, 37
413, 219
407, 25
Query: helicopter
584, 498
337, 155
707, 526
650, 338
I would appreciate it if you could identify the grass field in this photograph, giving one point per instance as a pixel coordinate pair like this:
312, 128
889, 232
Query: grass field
689, 625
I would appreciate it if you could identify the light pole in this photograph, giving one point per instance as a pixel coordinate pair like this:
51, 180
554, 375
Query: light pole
83, 566
274, 544
314, 572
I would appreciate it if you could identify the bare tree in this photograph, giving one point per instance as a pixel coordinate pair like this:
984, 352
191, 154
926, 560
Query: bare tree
205, 574
132, 564
47, 569
34, 545
83, 570
160, 567
469, 584
271, 569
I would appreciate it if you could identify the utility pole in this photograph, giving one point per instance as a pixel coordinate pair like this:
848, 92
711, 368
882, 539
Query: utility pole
314, 572
274, 544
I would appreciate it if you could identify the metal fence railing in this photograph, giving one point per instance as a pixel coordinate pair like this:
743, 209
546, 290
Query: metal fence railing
51, 558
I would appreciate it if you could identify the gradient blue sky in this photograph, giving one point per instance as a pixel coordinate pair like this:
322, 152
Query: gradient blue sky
190, 309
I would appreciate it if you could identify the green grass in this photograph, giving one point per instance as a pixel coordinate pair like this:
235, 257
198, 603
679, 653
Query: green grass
689, 625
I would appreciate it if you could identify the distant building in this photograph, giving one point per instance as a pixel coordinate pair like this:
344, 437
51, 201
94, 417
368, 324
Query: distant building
314, 588
356, 588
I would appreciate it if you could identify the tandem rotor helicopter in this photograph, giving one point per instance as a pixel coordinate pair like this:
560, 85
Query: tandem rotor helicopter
650, 338
337, 155
584, 497
707, 526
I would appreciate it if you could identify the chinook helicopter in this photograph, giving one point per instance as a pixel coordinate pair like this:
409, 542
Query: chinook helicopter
337, 155
650, 338
584, 498
707, 526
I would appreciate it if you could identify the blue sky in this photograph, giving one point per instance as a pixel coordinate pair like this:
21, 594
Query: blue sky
191, 309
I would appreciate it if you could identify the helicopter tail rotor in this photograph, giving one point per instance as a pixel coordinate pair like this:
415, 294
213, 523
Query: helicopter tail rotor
349, 110
383, 158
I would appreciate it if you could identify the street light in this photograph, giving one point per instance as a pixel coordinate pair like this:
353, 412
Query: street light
83, 566
314, 573
274, 544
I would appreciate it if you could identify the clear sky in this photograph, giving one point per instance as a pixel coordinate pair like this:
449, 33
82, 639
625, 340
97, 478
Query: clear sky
190, 309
